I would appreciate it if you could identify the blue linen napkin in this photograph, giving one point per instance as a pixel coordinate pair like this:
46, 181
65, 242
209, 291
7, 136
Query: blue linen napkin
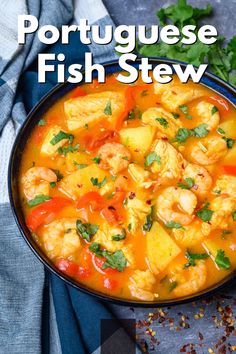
39, 312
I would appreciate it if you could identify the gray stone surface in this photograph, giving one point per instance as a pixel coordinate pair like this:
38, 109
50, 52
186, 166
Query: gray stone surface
207, 325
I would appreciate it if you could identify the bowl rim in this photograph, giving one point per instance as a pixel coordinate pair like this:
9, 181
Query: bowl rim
112, 65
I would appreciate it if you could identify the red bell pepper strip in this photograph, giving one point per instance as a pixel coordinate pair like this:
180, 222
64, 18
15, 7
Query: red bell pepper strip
72, 269
42, 211
78, 92
229, 170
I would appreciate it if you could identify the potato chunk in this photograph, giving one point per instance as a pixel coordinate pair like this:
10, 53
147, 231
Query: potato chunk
172, 96
47, 148
138, 140
92, 108
79, 182
161, 249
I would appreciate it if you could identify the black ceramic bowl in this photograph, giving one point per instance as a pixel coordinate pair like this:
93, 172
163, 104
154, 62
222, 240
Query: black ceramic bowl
47, 101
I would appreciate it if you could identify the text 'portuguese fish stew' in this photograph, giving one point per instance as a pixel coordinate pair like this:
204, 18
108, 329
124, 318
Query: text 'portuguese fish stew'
131, 190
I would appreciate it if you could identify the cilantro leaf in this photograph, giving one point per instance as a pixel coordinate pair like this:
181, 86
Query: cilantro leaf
204, 213
221, 260
163, 122
184, 108
149, 220
175, 115
63, 150
61, 136
214, 110
98, 184
192, 257
173, 225
182, 135
119, 237
42, 122
230, 142
107, 109
188, 185
220, 131
201, 130
39, 199
96, 159
150, 158
86, 230
115, 260
80, 166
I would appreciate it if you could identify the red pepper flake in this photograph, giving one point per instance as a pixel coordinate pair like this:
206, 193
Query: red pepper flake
132, 195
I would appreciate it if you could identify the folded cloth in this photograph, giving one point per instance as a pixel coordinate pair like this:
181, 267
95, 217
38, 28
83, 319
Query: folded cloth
39, 312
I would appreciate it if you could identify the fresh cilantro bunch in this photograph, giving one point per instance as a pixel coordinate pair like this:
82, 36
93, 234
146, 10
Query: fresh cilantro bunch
221, 58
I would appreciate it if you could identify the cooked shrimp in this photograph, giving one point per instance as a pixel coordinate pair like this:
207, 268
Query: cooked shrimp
226, 184
207, 115
176, 204
141, 285
114, 157
189, 280
222, 208
209, 150
171, 162
36, 181
163, 120
60, 238
192, 234
201, 178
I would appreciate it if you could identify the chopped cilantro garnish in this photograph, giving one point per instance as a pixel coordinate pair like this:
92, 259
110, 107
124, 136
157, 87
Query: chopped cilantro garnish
175, 115
163, 122
107, 109
152, 157
173, 225
86, 230
53, 184
204, 213
131, 115
64, 150
184, 133
214, 110
192, 257
230, 142
200, 131
172, 286
234, 216
42, 122
98, 184
39, 199
58, 174
119, 237
80, 166
129, 227
115, 260
61, 136
188, 185
149, 220
221, 260
96, 159
220, 131
184, 108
